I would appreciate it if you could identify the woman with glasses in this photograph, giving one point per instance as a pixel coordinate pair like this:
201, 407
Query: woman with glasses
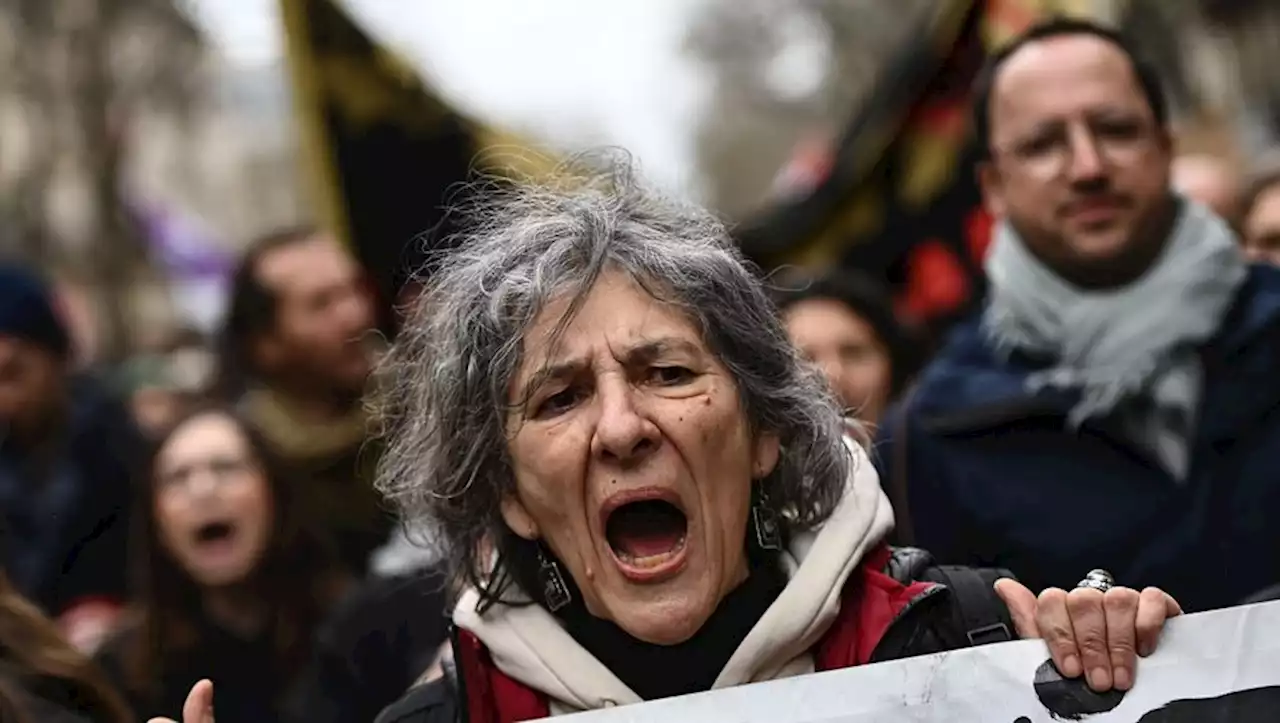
232, 583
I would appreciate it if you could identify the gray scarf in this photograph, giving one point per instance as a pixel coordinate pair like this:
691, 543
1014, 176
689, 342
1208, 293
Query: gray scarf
1132, 350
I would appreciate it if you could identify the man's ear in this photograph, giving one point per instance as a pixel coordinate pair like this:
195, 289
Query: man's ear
517, 517
992, 186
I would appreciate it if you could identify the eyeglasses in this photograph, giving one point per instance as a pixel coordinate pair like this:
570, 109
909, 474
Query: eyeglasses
220, 469
1050, 153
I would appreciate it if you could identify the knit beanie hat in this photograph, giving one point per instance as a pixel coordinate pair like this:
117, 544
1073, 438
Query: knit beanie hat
27, 310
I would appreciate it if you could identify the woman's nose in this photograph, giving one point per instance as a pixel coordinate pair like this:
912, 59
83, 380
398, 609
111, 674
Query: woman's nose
622, 432
202, 483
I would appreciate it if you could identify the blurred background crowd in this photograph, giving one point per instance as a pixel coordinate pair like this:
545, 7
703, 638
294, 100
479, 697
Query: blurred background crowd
210, 213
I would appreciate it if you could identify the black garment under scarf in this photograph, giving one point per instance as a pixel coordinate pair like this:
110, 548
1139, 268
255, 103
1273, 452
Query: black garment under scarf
662, 671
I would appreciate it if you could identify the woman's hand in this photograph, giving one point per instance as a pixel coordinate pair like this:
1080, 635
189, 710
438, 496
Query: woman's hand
1090, 632
198, 708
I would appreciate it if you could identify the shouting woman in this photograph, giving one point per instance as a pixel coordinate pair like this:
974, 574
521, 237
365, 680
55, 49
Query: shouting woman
233, 583
646, 492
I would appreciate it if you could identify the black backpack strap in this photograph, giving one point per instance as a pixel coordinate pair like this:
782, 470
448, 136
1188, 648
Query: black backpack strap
978, 615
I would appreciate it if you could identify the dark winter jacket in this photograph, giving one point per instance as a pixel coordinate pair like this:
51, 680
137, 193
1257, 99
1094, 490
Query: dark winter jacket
992, 476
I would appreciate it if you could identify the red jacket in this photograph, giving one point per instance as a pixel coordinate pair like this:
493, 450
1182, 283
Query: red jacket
872, 602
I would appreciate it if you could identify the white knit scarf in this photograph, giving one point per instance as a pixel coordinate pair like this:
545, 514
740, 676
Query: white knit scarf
1133, 347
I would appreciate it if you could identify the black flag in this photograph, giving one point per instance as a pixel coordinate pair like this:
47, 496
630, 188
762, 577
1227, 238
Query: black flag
386, 155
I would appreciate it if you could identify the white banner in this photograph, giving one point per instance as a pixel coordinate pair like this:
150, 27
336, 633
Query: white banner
1217, 667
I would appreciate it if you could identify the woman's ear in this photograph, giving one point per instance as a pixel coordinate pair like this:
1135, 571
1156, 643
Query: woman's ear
518, 518
765, 455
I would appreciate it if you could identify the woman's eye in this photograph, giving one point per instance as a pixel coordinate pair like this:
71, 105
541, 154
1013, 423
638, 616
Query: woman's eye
176, 477
854, 352
556, 403
669, 375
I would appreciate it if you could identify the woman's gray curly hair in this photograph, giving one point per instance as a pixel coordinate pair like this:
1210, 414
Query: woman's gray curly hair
450, 370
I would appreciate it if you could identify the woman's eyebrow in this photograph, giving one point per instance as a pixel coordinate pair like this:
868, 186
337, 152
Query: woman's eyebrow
639, 354
558, 371
652, 349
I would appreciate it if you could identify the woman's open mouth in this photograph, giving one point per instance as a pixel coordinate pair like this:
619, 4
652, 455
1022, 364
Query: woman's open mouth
215, 537
647, 538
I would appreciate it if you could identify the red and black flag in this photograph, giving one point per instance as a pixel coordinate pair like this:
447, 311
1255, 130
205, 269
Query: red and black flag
900, 200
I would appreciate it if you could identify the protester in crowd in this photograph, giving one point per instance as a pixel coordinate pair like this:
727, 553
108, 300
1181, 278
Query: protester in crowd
42, 678
642, 489
845, 323
1262, 214
1115, 402
1209, 180
67, 449
296, 359
233, 582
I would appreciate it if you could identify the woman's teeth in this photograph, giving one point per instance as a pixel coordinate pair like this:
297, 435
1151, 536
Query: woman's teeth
651, 561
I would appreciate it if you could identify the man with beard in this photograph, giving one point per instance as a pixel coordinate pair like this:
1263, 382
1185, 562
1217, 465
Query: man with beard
296, 356
1122, 373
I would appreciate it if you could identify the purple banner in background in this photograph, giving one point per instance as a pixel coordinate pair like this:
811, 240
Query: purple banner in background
186, 251
197, 267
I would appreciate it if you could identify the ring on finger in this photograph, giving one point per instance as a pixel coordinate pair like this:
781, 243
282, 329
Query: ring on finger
1099, 580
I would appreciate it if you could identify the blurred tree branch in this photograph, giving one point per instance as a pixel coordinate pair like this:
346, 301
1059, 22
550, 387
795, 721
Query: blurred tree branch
80, 73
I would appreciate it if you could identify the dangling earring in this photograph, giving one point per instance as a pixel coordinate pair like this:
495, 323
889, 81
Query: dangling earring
768, 531
554, 590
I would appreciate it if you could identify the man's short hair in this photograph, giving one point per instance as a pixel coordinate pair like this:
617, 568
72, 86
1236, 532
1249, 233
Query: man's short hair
1148, 77
251, 309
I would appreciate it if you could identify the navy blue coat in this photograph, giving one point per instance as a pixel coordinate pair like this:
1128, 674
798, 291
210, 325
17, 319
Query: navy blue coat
993, 477
67, 540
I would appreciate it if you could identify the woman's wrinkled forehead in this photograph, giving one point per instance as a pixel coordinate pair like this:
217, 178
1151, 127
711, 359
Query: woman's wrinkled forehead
617, 316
